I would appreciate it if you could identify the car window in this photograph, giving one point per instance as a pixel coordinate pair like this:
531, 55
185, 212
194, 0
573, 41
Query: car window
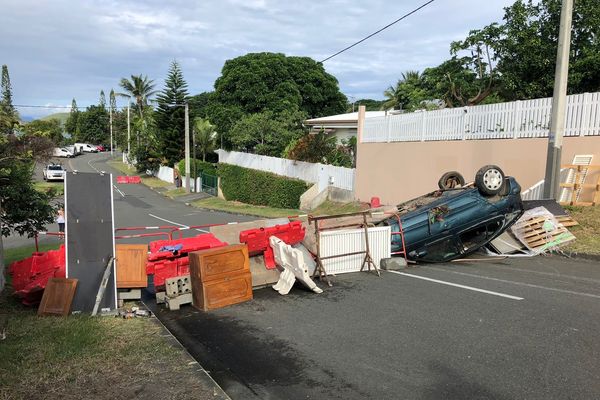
477, 236
441, 250
55, 167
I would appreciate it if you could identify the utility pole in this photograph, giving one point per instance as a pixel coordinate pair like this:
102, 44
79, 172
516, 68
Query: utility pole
187, 148
559, 104
128, 135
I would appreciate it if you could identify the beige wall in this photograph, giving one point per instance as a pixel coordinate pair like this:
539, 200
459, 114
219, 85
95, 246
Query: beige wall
403, 170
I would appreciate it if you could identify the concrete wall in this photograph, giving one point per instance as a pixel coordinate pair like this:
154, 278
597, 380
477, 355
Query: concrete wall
403, 170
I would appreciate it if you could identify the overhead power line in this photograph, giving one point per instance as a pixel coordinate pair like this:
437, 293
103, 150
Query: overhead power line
380, 30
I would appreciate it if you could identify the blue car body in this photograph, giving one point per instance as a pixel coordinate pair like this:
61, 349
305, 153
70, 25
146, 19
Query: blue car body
454, 223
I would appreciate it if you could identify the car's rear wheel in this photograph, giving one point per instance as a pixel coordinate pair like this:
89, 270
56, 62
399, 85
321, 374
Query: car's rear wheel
451, 180
489, 180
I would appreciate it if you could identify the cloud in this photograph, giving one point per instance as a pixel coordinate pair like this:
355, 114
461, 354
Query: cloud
68, 49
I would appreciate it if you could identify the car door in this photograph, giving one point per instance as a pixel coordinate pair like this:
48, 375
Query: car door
480, 234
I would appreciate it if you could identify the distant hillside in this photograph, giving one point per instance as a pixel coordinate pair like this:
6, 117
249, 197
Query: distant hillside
62, 117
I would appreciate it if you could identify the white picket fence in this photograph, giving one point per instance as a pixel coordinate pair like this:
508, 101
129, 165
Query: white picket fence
322, 174
517, 119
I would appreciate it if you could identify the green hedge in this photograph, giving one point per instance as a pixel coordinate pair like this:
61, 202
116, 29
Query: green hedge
260, 188
201, 166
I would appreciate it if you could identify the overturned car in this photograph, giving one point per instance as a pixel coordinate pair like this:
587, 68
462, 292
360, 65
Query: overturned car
458, 219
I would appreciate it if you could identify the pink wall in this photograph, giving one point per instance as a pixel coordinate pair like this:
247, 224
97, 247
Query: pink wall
403, 170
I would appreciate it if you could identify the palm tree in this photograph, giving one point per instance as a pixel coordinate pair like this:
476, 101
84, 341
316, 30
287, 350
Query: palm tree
204, 135
397, 96
139, 87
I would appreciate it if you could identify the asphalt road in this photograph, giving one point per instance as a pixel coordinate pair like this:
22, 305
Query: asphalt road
135, 205
512, 329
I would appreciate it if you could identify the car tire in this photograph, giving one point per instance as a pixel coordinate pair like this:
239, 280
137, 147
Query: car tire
489, 180
451, 180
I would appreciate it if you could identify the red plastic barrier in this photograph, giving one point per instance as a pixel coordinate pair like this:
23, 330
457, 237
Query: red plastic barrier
257, 240
30, 276
165, 264
128, 179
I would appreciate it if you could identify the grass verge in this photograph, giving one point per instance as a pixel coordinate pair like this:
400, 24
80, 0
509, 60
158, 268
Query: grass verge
175, 192
328, 207
19, 253
154, 182
215, 203
89, 357
122, 167
588, 230
59, 187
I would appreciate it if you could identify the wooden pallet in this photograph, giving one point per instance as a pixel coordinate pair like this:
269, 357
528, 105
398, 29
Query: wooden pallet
580, 173
534, 235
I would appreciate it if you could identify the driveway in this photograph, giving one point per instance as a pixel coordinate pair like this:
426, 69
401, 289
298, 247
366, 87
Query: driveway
516, 328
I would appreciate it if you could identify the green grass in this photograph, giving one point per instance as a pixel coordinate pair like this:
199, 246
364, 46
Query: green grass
19, 253
588, 230
87, 357
333, 208
175, 192
58, 187
121, 166
215, 203
154, 182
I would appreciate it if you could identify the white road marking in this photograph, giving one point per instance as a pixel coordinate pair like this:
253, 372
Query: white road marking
117, 189
508, 296
176, 223
95, 169
594, 296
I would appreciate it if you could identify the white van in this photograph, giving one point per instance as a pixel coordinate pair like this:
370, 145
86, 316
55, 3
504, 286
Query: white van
86, 148
62, 152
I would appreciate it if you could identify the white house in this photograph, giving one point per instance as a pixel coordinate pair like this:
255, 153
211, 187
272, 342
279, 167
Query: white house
343, 126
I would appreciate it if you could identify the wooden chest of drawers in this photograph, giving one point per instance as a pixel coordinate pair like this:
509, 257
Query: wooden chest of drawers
220, 277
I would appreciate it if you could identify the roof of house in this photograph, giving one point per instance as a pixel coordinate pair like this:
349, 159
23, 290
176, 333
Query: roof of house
348, 118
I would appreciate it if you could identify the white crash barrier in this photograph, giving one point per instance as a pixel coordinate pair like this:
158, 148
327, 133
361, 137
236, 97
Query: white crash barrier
292, 261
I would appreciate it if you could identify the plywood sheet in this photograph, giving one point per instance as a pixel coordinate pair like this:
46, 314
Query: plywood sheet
131, 265
58, 297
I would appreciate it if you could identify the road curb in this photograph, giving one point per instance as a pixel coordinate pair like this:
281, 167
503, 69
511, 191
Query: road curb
576, 255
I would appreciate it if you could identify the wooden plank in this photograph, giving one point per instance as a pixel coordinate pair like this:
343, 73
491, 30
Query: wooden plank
131, 265
58, 297
222, 293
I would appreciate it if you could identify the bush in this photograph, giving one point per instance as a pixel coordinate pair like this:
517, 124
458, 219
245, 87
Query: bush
201, 166
260, 188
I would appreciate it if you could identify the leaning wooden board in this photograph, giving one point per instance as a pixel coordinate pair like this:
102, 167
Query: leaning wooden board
131, 265
58, 297
220, 277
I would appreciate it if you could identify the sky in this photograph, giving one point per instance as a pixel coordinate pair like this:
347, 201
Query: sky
58, 50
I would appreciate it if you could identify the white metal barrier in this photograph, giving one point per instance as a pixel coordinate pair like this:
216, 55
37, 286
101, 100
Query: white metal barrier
517, 119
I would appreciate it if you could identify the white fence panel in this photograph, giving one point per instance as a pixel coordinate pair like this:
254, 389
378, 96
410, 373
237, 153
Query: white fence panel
352, 240
165, 174
321, 174
517, 119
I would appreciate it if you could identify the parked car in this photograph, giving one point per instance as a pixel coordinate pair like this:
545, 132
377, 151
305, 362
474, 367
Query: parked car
100, 147
453, 223
54, 172
86, 148
74, 150
62, 152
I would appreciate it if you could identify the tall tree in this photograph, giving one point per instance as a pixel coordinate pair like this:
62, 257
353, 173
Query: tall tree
102, 102
204, 136
93, 125
8, 114
139, 88
408, 93
525, 44
23, 210
113, 113
72, 123
170, 115
50, 129
260, 82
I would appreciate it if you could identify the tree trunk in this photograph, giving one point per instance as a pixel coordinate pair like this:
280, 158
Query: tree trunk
2, 268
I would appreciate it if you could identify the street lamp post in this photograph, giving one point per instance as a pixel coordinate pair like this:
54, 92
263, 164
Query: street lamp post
128, 132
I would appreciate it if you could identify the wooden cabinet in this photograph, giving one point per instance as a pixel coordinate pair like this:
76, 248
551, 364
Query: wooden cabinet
131, 265
220, 277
